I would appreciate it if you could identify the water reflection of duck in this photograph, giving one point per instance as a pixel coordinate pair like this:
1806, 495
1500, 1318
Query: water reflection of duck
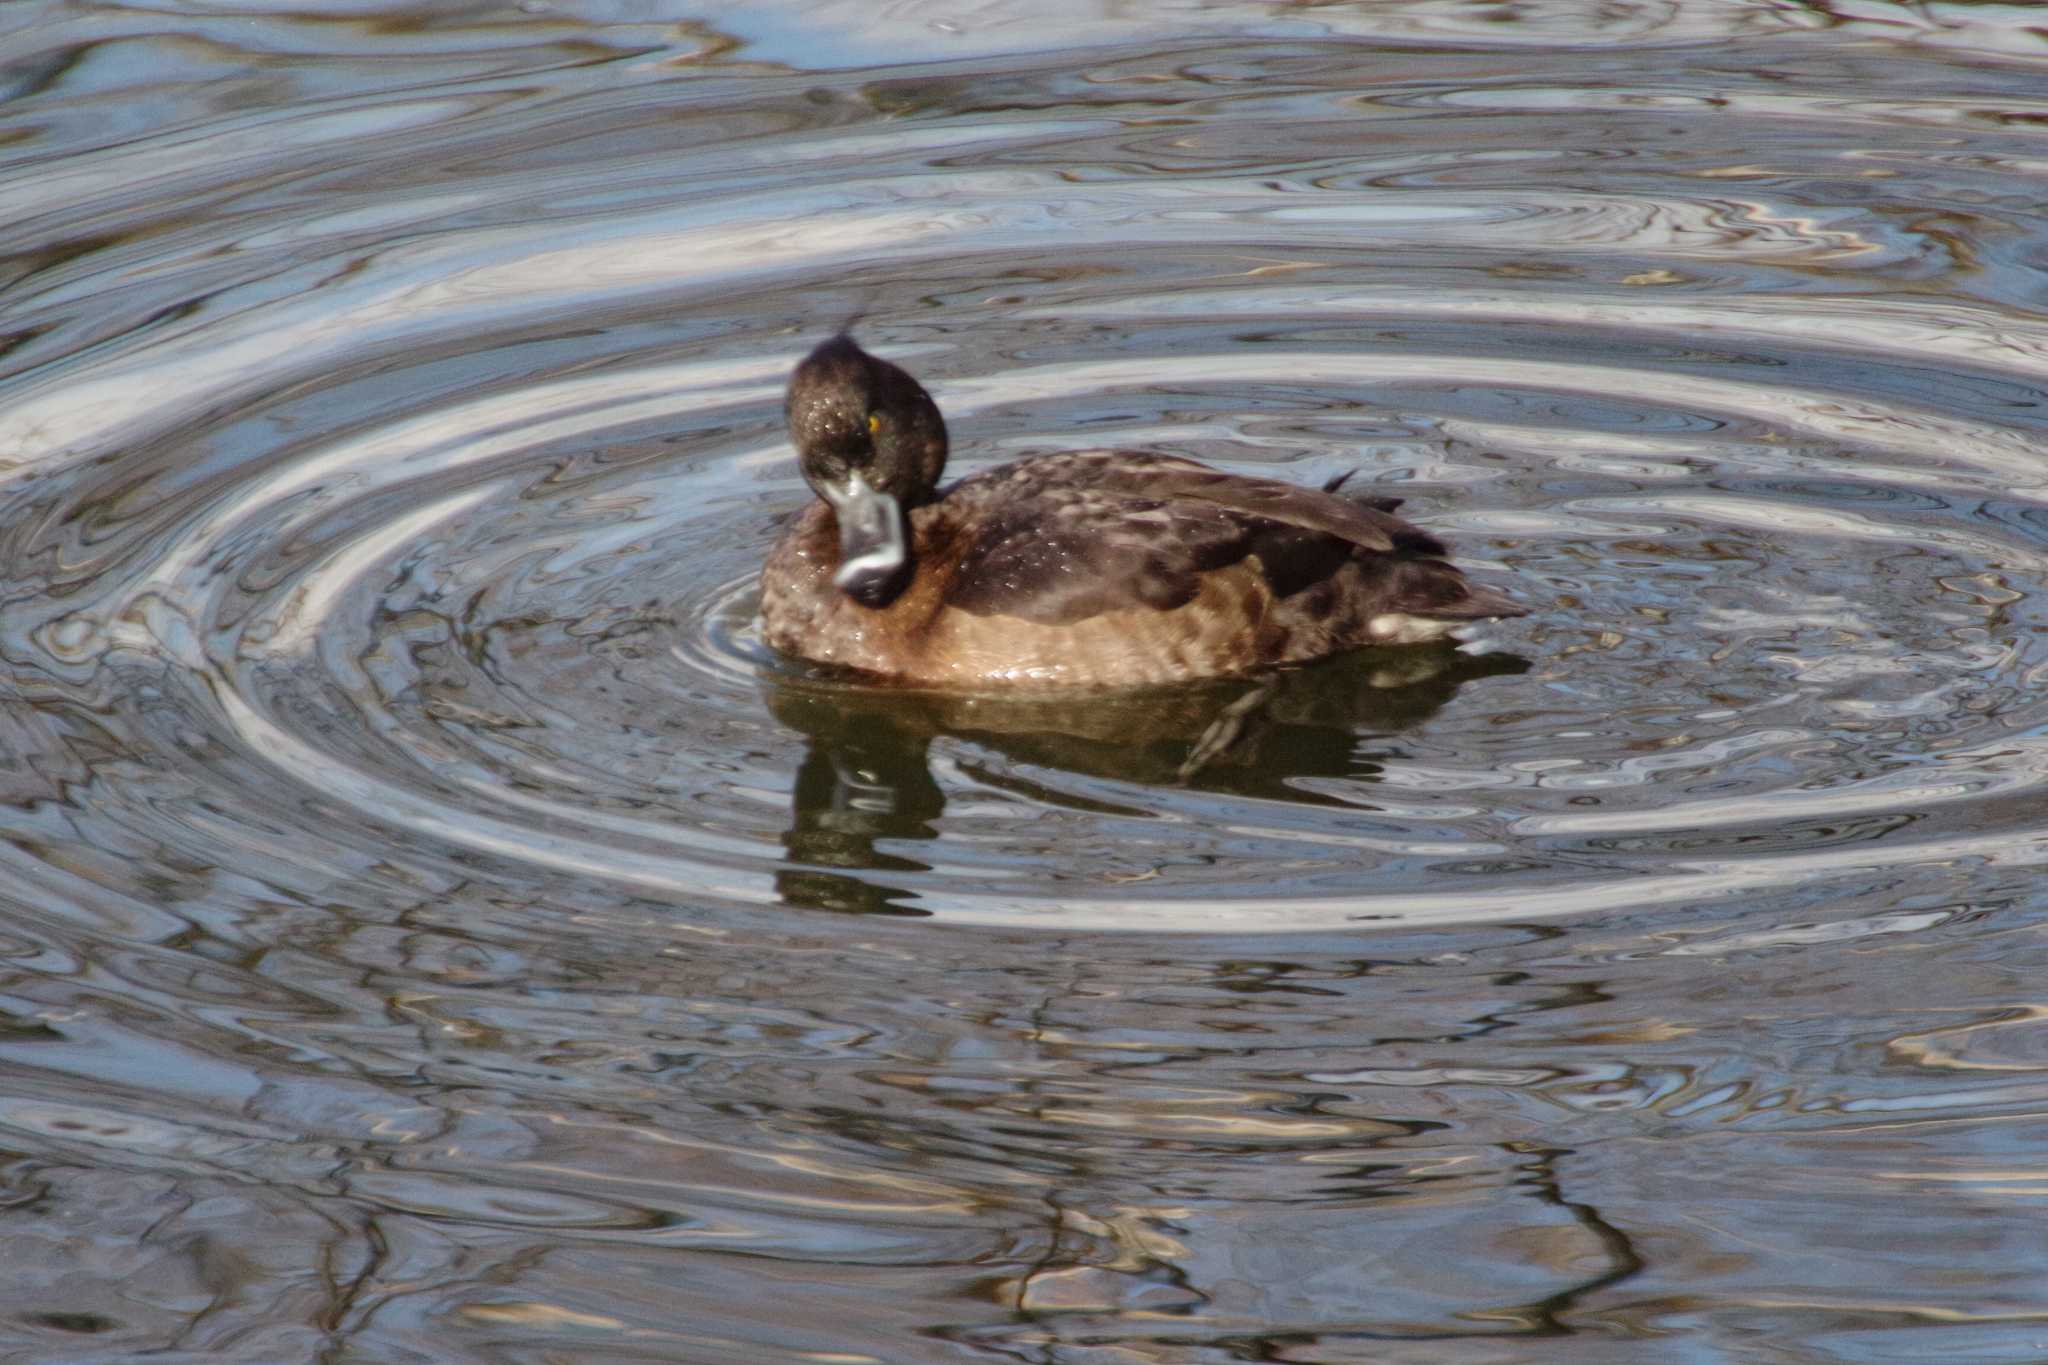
865, 798
1100, 567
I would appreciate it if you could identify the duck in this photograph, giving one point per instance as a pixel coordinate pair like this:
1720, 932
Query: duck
1086, 568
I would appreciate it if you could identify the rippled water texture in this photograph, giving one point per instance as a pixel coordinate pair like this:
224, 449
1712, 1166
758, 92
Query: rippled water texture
433, 927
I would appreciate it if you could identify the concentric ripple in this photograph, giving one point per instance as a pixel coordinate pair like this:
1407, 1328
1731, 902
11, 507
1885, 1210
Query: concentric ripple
448, 536
1766, 636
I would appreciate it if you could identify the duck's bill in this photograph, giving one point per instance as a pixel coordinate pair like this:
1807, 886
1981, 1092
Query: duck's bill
874, 554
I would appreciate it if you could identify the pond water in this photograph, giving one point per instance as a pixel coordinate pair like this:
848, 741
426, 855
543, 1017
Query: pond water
434, 927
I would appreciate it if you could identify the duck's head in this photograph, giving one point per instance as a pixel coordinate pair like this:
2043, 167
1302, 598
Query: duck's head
871, 443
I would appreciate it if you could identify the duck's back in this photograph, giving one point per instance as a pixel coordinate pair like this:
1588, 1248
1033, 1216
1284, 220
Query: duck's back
1114, 568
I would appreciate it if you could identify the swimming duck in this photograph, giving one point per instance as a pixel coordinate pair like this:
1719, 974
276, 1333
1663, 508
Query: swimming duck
1083, 568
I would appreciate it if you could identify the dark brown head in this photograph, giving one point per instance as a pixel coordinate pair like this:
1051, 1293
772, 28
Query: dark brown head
870, 442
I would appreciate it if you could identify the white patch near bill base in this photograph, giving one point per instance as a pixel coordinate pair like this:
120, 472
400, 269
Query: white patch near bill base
882, 560
1399, 628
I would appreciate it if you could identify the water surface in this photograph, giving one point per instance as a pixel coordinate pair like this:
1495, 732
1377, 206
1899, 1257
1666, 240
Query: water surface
435, 928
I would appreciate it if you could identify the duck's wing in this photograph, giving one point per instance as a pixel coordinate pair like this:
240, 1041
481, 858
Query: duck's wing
1063, 554
1062, 538
1367, 521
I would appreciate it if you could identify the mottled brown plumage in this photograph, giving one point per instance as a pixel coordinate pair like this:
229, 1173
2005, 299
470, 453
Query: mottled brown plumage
1098, 567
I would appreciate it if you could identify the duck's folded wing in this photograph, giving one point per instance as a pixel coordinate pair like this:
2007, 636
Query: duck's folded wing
1366, 522
1068, 553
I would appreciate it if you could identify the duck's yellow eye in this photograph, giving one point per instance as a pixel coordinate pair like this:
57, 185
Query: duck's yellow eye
874, 423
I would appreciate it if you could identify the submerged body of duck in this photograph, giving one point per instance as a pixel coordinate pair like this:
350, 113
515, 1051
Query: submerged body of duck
1085, 568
